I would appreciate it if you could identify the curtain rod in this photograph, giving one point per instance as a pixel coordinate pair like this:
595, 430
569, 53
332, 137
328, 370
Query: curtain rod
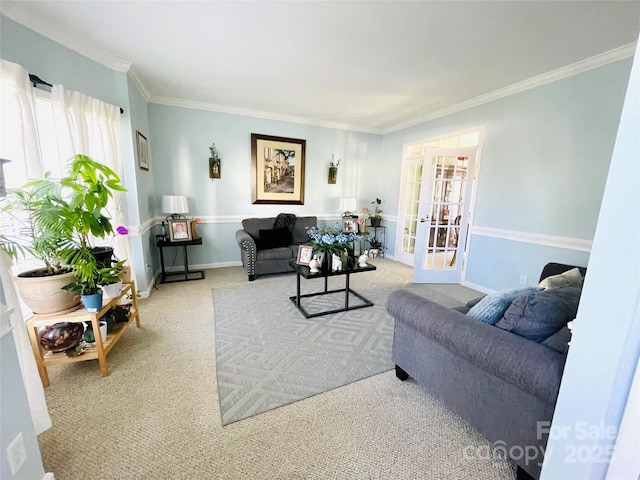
37, 82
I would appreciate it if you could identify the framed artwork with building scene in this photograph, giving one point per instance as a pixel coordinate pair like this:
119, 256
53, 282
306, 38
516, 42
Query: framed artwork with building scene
277, 170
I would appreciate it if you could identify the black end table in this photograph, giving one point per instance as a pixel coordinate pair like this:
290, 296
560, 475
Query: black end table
189, 275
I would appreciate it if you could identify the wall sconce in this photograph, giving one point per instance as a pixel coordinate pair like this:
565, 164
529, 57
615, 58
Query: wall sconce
333, 170
214, 162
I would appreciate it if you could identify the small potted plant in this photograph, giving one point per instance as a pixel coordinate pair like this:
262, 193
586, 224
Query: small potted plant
110, 279
376, 216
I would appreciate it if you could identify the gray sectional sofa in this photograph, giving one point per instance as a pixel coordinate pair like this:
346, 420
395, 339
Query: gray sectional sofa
500, 382
267, 245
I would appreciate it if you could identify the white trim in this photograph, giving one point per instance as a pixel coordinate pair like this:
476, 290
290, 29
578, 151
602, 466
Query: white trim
596, 61
475, 286
569, 243
212, 107
137, 81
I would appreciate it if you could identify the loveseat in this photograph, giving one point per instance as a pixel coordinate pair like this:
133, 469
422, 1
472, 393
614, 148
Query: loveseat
500, 382
267, 245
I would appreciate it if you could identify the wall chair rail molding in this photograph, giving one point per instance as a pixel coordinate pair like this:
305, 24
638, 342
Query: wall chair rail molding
569, 243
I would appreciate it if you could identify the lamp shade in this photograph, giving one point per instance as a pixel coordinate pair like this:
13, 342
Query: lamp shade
348, 204
175, 204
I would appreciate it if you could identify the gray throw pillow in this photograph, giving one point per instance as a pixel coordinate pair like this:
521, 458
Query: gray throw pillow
541, 314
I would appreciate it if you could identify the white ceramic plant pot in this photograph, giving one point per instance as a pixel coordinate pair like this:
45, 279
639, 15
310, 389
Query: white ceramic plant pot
103, 331
112, 290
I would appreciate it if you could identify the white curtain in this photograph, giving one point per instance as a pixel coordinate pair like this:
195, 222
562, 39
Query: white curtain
18, 128
91, 127
20, 145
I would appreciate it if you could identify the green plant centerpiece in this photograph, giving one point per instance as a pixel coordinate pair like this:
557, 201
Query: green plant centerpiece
376, 217
331, 240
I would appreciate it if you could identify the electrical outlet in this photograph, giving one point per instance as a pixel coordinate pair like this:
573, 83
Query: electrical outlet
523, 280
16, 454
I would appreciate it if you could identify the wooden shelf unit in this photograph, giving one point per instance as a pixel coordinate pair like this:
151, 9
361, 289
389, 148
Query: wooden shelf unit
97, 351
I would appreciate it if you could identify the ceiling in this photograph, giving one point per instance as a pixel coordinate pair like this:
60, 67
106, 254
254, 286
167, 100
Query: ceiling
372, 66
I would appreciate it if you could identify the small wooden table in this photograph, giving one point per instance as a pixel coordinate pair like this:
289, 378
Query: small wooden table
305, 271
99, 350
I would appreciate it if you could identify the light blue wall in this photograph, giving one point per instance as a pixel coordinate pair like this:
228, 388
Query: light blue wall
543, 167
179, 141
57, 64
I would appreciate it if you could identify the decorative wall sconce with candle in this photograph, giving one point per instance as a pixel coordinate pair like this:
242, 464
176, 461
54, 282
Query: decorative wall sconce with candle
333, 170
214, 162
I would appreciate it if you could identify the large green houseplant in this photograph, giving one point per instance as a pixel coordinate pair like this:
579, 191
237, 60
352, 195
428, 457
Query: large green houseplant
30, 229
71, 211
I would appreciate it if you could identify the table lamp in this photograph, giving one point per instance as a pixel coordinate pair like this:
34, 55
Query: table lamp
175, 206
348, 205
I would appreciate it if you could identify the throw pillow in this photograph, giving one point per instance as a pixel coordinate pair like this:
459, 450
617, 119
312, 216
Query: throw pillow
571, 277
540, 315
491, 308
278, 237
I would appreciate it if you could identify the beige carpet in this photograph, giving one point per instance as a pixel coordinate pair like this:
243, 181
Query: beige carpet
157, 415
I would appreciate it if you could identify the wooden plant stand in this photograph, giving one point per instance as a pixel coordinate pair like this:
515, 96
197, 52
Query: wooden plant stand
99, 350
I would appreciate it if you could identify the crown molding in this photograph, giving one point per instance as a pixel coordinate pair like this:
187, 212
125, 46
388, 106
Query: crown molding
137, 81
590, 63
212, 107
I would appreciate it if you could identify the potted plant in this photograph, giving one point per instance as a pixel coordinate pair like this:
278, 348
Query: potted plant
110, 279
33, 229
61, 217
333, 170
375, 247
376, 216
86, 190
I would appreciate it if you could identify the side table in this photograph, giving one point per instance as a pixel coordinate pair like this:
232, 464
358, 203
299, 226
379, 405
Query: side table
97, 351
189, 275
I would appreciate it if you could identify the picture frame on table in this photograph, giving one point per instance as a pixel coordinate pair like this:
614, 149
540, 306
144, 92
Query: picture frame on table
180, 230
142, 150
350, 224
305, 254
277, 170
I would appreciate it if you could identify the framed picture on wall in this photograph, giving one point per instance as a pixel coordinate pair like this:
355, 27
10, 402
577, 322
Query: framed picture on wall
277, 170
179, 230
142, 150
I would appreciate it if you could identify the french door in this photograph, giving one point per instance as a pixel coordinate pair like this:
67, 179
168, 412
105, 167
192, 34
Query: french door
443, 214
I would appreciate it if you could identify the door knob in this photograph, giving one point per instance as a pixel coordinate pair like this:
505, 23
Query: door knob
424, 219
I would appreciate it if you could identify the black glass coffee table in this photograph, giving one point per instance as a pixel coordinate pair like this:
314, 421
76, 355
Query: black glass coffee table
305, 272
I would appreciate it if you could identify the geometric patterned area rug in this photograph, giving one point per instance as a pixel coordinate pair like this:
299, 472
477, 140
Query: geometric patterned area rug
268, 355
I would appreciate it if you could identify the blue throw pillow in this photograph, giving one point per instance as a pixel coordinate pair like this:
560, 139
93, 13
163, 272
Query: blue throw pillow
491, 308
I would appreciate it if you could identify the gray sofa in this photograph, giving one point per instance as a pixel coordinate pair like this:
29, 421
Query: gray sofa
272, 251
501, 383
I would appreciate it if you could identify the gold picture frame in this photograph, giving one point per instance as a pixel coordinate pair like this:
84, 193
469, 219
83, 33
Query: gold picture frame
180, 230
277, 170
